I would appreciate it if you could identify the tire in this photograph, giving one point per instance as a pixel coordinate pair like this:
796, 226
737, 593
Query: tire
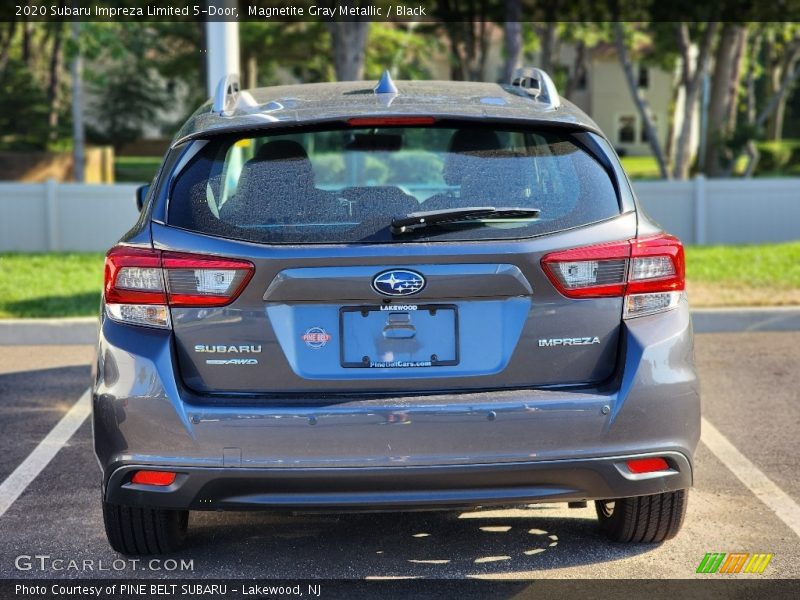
141, 531
644, 519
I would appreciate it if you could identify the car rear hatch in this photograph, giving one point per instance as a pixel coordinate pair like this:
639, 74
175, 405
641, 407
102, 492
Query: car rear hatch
338, 303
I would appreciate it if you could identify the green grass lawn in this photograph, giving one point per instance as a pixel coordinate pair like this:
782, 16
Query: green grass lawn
757, 275
640, 167
68, 285
646, 167
770, 265
136, 169
50, 285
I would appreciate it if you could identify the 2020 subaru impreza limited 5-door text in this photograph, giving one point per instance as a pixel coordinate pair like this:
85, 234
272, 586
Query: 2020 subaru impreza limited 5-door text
422, 295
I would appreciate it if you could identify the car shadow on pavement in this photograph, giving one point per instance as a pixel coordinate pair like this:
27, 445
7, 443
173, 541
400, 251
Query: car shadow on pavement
508, 543
52, 388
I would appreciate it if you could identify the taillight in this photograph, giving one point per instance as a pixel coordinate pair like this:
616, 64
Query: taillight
204, 281
141, 284
589, 272
657, 275
648, 272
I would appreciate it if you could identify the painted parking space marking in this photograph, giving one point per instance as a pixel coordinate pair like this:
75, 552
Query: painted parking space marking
16, 483
752, 477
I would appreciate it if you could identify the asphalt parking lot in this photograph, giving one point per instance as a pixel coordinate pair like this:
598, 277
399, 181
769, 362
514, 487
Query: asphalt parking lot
751, 395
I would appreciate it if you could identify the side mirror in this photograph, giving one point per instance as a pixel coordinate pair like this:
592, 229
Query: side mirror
141, 196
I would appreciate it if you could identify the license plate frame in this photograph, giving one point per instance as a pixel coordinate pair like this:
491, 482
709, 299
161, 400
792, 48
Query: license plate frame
420, 308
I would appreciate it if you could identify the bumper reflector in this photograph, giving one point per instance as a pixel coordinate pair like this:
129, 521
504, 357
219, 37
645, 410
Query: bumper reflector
153, 478
647, 465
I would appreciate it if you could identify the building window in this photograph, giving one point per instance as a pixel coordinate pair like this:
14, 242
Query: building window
644, 129
626, 129
644, 78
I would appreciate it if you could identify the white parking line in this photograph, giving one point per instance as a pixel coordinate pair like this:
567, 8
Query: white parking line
26, 472
751, 476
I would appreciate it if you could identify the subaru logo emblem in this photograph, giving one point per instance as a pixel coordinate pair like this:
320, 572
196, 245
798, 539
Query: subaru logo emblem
398, 283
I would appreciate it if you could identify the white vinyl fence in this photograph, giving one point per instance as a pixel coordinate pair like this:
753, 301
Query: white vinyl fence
50, 216
725, 211
54, 216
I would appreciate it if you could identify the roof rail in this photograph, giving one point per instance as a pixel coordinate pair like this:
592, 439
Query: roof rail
227, 95
538, 84
228, 98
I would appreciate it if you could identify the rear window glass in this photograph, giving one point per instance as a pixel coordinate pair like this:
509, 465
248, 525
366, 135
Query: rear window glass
346, 185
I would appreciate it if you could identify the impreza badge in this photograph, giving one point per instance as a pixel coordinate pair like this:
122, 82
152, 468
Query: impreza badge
576, 341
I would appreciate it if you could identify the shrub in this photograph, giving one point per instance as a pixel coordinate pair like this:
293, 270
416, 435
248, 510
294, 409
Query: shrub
24, 110
777, 156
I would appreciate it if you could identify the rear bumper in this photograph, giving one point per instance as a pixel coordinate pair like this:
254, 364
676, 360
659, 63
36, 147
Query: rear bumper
399, 487
493, 447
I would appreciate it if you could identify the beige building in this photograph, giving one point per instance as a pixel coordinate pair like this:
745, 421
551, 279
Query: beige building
604, 94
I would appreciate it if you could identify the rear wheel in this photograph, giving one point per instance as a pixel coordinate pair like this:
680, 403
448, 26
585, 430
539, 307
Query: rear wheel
139, 531
644, 519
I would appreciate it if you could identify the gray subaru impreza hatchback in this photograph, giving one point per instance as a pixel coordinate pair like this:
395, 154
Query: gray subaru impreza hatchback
419, 295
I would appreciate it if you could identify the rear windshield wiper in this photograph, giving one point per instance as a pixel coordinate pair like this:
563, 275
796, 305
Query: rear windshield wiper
469, 214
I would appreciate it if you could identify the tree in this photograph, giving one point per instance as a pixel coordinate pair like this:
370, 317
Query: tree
6, 39
33, 115
778, 98
349, 39
749, 126
400, 47
269, 50
641, 103
23, 109
124, 70
781, 53
584, 37
546, 31
513, 38
466, 26
27, 35
724, 94
694, 66
579, 70
54, 76
348, 44
755, 122
78, 128
762, 103
126, 100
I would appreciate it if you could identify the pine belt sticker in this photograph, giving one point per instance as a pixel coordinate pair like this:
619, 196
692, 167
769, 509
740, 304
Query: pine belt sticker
316, 337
